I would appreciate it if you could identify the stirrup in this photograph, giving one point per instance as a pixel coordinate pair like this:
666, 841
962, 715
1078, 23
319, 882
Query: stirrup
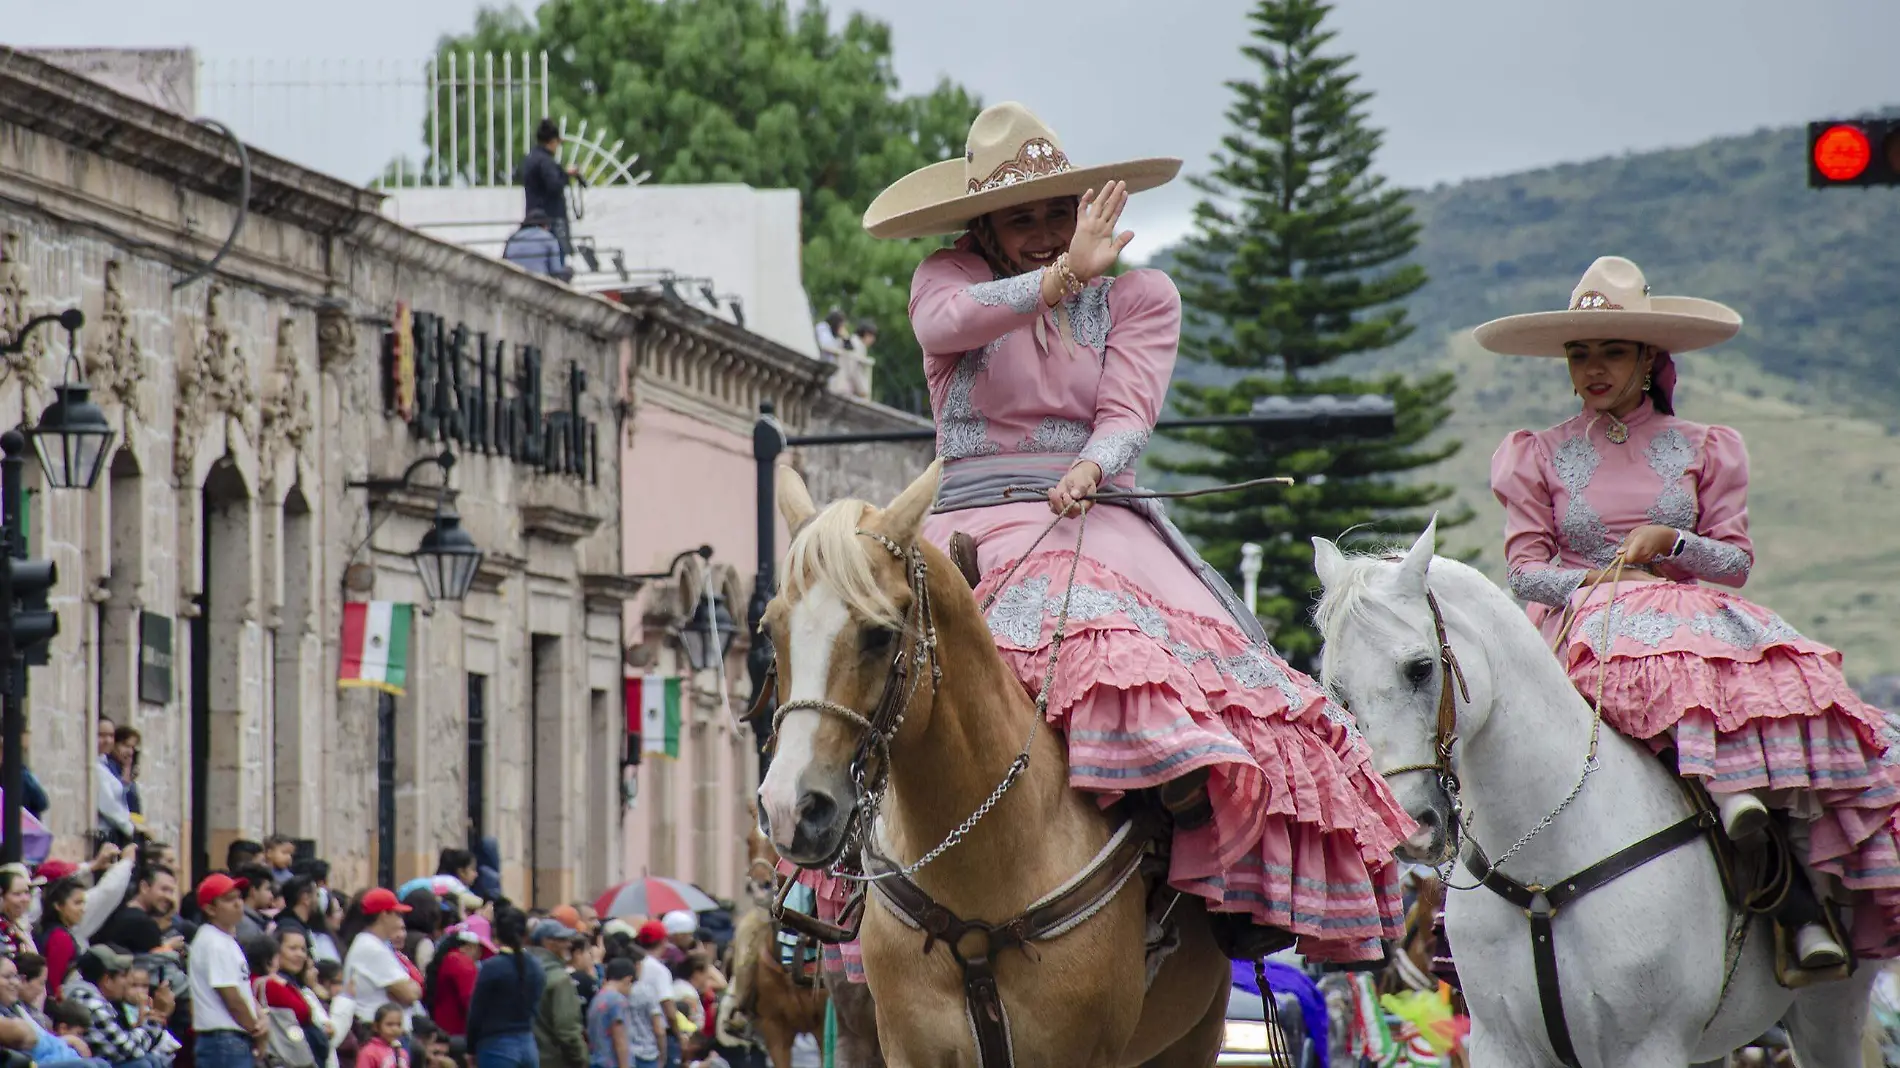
1744, 817
1815, 948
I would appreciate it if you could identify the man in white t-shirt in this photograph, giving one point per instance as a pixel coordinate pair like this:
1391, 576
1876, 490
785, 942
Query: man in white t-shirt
373, 974
223, 1012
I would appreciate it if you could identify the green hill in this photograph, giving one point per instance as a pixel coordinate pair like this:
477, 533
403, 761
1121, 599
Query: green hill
1813, 382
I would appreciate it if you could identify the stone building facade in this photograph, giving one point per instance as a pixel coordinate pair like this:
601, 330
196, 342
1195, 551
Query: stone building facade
228, 533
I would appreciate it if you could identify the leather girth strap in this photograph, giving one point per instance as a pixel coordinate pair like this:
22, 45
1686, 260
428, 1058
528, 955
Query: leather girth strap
1541, 903
976, 945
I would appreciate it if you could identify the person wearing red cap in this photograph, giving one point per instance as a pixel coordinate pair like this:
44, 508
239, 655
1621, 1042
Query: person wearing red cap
374, 974
223, 1011
655, 977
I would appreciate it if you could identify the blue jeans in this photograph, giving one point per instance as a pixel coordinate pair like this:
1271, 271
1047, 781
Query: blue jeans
646, 1062
508, 1051
224, 1049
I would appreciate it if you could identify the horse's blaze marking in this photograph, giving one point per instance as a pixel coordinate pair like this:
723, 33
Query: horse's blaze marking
813, 626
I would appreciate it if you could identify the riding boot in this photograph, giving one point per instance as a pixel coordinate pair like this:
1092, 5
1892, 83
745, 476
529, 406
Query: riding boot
1802, 911
1185, 798
1744, 817
1242, 939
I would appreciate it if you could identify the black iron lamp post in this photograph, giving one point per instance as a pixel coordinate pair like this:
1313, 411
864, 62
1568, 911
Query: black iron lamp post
707, 635
72, 439
447, 558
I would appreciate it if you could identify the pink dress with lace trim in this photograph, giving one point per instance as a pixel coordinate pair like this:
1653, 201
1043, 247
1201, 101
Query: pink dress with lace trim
1156, 679
1748, 703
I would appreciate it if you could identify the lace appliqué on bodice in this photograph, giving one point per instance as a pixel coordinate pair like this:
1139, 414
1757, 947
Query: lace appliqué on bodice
1088, 311
1670, 455
1582, 529
962, 430
1056, 434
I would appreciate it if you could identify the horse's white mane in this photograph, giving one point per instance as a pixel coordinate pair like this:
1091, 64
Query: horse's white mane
1349, 597
830, 550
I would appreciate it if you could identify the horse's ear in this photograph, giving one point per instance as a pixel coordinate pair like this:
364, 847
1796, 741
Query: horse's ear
794, 499
1328, 561
1418, 559
902, 519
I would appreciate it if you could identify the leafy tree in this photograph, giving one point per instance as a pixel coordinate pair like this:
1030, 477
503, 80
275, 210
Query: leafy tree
1295, 264
753, 91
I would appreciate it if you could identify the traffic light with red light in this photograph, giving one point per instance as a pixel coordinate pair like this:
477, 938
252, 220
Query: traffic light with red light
1854, 152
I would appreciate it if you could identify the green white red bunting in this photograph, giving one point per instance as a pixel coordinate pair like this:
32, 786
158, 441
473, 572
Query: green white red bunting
659, 704
376, 645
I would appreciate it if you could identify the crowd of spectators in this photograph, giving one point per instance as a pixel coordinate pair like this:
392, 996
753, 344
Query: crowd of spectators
263, 965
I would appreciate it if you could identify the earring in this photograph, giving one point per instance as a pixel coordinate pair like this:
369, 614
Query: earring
1648, 380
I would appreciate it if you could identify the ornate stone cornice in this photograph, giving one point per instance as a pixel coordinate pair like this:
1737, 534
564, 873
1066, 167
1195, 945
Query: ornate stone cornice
710, 363
48, 99
555, 523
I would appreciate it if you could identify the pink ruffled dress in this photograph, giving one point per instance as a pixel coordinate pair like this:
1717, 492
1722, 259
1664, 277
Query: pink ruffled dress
1747, 702
1157, 677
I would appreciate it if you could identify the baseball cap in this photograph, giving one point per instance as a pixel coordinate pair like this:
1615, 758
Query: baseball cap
379, 901
679, 921
549, 930
474, 931
113, 960
619, 927
53, 871
218, 884
651, 934
567, 915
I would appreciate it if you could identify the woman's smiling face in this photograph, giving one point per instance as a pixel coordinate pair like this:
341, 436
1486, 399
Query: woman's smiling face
1029, 236
1608, 374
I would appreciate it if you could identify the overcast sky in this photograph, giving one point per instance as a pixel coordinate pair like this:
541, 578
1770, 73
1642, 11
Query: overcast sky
1463, 87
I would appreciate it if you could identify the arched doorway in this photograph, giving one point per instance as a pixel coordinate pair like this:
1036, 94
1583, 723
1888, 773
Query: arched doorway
221, 665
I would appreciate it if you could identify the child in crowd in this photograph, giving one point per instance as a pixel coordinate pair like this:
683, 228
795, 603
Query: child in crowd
384, 1047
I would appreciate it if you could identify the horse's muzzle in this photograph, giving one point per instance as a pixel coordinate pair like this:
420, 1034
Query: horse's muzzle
1432, 843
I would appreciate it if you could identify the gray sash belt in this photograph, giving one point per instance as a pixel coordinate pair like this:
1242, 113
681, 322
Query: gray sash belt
981, 482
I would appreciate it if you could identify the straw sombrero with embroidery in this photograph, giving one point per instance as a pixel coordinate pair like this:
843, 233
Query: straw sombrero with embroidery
1613, 303
1010, 158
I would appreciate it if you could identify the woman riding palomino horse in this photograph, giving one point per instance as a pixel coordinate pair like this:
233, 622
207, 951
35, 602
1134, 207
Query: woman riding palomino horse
1045, 372
1628, 510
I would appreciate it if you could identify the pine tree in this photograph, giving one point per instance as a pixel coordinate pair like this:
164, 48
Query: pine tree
1297, 262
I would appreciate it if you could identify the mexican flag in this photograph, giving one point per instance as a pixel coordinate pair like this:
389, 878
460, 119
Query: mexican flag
376, 645
659, 713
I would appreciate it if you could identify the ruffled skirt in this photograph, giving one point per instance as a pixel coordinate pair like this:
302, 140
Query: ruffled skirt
1156, 680
1750, 704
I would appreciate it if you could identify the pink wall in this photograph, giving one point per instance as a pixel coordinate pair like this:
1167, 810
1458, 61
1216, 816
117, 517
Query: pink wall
687, 483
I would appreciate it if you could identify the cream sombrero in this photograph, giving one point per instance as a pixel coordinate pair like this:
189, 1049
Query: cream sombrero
1613, 302
1010, 158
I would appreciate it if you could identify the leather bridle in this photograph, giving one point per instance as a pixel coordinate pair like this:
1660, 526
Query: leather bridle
871, 764
1447, 729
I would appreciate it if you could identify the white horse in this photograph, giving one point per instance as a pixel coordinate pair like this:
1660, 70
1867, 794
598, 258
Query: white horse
1640, 959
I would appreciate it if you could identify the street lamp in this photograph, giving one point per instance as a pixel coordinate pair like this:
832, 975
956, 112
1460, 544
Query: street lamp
707, 635
72, 441
446, 558
72, 436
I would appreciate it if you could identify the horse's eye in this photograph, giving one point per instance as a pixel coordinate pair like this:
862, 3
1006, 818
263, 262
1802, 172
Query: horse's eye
1418, 672
876, 639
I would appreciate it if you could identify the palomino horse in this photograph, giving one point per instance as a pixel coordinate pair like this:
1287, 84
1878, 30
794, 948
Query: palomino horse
861, 586
1641, 959
781, 1009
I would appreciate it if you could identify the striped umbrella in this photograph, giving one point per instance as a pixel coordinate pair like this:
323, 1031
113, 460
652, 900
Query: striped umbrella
653, 896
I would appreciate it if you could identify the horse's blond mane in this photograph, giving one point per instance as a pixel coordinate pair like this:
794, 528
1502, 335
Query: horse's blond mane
830, 550
750, 937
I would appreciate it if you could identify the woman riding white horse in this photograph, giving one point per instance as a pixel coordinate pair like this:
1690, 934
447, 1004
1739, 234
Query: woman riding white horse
1628, 510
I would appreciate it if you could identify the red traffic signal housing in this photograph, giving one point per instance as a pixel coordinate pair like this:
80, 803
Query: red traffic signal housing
1853, 152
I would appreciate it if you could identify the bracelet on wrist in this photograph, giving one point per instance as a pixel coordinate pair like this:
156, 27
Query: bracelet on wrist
1066, 277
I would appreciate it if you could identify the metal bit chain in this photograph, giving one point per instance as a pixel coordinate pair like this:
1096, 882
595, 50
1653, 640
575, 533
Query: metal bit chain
1016, 766
1590, 762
